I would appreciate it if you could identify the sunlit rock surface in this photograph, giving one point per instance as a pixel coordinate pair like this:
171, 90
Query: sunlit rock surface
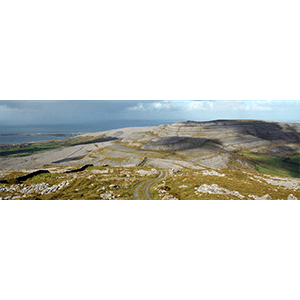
190, 144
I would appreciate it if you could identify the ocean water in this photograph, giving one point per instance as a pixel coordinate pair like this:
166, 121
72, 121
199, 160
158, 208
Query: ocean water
13, 134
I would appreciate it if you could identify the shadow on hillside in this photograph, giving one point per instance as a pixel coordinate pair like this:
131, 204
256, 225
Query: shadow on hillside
99, 140
178, 143
68, 159
270, 131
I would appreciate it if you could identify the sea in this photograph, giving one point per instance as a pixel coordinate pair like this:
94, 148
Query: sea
13, 134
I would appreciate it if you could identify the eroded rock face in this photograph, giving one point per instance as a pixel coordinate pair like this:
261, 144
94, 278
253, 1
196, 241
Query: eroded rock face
228, 134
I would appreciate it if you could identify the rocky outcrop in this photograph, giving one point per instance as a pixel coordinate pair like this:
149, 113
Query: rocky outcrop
212, 173
215, 189
212, 144
287, 183
42, 188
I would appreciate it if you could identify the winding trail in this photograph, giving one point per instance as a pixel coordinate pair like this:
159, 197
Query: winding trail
142, 186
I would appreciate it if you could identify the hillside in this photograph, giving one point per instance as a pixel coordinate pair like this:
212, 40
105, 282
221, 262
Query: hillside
220, 159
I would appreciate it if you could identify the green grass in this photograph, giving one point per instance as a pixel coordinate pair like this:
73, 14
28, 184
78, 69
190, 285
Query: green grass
26, 149
46, 177
267, 164
95, 168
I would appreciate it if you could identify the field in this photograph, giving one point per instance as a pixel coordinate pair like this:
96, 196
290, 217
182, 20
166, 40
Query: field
25, 149
267, 164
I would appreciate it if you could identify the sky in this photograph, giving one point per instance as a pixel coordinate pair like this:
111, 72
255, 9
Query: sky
72, 112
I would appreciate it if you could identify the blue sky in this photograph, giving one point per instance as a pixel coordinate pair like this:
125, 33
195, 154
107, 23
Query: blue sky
58, 112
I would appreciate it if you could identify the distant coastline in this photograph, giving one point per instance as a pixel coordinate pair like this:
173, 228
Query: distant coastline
39, 133
17, 134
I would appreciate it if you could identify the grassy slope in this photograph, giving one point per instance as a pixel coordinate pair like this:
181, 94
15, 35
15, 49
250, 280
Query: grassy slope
86, 184
233, 180
267, 164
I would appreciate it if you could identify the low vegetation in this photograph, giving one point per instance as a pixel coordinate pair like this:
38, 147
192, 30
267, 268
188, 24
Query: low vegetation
182, 185
88, 184
95, 181
267, 164
25, 149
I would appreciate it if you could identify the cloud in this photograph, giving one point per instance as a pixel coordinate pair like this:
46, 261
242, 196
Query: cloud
149, 105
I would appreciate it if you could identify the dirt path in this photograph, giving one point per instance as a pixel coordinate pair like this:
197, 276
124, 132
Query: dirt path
146, 188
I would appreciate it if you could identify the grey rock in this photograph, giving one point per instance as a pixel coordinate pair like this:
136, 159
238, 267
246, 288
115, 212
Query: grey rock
114, 186
292, 197
265, 197
107, 196
169, 197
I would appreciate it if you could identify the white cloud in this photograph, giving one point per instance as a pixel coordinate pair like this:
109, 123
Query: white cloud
139, 107
153, 106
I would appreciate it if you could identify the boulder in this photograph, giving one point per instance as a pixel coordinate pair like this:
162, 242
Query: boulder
107, 196
265, 197
174, 171
292, 197
212, 173
114, 186
102, 189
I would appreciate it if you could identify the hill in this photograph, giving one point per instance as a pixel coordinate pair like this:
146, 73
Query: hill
249, 155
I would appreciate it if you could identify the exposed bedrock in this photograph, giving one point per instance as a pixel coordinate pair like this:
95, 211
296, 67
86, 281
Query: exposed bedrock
198, 144
228, 134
